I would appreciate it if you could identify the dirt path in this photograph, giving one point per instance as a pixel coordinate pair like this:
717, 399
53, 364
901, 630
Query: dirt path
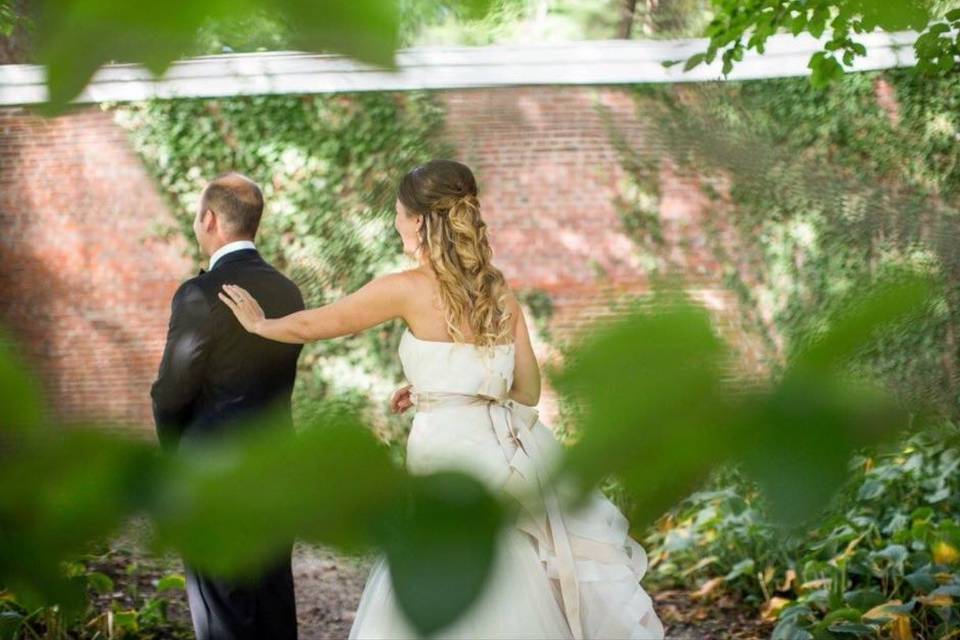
328, 588
328, 591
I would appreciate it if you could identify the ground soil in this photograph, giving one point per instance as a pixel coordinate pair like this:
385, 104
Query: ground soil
329, 587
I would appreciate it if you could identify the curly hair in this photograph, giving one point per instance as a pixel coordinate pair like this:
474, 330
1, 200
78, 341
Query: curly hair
454, 236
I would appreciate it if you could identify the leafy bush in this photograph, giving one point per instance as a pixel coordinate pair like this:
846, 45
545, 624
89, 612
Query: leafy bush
814, 195
886, 555
115, 608
839, 22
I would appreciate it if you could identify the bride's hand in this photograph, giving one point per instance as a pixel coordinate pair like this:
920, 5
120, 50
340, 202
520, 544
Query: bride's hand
244, 306
401, 401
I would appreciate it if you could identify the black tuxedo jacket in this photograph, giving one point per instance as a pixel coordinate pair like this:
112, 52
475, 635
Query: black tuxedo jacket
214, 374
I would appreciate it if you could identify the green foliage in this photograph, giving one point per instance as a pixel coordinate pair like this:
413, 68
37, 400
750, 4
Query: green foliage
256, 31
719, 531
735, 21
75, 37
814, 195
333, 484
539, 306
441, 547
632, 380
894, 541
636, 379
115, 608
818, 193
197, 511
228, 508
886, 550
63, 491
8, 18
557, 20
328, 166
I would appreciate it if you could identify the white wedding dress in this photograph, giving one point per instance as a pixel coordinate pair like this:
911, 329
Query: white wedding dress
558, 573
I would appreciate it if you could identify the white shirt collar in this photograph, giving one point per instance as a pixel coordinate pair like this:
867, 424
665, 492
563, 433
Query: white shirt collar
230, 247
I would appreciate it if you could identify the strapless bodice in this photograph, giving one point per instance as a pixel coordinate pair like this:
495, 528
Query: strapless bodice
453, 367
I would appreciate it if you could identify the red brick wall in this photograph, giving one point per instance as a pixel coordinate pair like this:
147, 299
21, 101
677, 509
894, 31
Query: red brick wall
549, 177
89, 292
81, 283
548, 174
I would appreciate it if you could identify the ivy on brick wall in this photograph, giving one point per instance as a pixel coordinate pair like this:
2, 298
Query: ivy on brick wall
813, 194
328, 166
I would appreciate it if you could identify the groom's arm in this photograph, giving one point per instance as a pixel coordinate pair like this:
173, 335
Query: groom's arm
181, 370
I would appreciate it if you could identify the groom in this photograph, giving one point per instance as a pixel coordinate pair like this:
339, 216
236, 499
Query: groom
213, 376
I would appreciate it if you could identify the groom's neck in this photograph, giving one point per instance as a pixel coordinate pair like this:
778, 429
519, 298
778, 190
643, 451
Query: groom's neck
222, 243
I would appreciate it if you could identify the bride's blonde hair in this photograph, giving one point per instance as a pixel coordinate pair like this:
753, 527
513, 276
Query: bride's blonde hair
454, 237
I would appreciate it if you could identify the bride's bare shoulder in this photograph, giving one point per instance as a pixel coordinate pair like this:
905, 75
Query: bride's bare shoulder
512, 306
415, 279
398, 278
406, 284
510, 301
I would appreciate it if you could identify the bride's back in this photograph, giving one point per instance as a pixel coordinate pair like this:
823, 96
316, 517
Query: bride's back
427, 318
456, 294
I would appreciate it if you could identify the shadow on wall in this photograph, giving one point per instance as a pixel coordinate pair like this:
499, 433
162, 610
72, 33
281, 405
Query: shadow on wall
549, 176
93, 367
83, 289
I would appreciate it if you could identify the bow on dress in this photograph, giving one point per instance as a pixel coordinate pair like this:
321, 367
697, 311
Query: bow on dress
513, 423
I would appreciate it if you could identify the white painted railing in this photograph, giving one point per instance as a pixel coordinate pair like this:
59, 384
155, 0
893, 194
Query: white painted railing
574, 63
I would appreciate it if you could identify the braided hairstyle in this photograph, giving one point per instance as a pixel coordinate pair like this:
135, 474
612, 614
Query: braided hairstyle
454, 237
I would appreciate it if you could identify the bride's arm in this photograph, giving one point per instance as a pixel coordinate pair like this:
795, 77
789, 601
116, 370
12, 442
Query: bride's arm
376, 302
526, 371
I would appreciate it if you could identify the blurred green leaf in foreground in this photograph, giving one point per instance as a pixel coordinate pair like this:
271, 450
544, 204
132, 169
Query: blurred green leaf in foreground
75, 37
229, 507
659, 414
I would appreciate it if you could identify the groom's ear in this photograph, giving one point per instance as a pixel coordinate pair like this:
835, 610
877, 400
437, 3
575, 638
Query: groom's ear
209, 220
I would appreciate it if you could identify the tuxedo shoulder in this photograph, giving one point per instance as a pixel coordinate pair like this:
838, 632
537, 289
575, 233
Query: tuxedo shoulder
191, 287
284, 280
192, 298
207, 285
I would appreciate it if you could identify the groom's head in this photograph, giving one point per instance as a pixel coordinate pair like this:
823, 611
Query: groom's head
230, 209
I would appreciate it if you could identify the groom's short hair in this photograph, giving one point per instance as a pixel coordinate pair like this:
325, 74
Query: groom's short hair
237, 200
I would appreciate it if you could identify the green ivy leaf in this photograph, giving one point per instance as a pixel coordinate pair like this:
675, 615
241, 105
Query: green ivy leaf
870, 490
891, 16
853, 629
693, 61
99, 582
172, 582
126, 621
825, 69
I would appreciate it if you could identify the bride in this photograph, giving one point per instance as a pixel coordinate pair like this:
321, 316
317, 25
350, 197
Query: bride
473, 383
